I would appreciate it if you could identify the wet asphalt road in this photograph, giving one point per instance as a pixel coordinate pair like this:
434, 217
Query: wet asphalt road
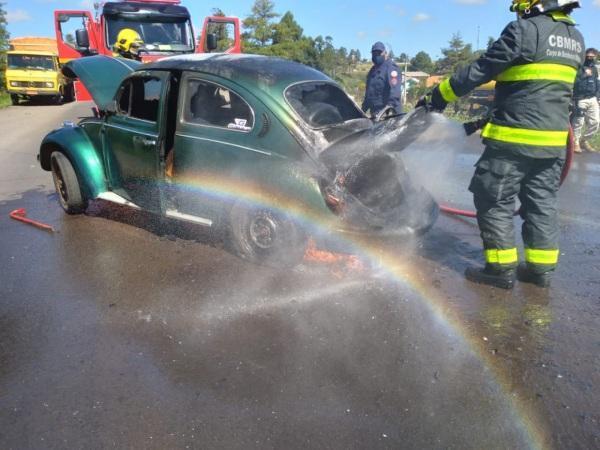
116, 332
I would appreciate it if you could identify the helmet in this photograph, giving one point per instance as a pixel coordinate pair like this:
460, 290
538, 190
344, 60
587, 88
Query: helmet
527, 6
128, 41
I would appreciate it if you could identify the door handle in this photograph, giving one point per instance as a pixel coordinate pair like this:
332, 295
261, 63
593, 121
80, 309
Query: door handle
144, 141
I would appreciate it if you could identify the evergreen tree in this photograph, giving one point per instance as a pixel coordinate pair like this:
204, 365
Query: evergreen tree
4, 37
422, 62
259, 23
287, 30
456, 55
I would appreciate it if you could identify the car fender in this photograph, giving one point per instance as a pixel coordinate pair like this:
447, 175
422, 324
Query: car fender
86, 160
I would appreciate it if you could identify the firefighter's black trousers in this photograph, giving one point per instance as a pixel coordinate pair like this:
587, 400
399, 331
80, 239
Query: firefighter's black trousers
499, 178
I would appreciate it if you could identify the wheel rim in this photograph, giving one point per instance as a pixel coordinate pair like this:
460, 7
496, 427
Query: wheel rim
263, 230
59, 183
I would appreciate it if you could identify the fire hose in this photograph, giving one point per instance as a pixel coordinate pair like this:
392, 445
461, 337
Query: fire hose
469, 127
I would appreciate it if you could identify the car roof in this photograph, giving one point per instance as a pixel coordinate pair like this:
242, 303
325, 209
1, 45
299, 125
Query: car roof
268, 73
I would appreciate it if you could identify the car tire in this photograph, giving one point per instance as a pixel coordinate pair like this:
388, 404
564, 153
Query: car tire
264, 236
69, 93
14, 99
67, 185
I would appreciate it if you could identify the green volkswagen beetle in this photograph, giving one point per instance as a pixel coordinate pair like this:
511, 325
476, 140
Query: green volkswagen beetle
271, 150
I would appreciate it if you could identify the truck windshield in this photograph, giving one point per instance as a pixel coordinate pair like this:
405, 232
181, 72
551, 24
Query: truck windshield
32, 62
173, 36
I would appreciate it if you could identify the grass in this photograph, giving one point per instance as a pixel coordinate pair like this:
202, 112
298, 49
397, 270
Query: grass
4, 99
595, 141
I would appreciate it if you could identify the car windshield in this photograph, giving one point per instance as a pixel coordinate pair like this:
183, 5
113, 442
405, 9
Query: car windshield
33, 62
321, 104
165, 35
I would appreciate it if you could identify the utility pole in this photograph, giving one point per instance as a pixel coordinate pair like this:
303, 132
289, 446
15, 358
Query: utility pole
477, 48
404, 96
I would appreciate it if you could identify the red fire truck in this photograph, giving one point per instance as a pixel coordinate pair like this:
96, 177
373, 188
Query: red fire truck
164, 26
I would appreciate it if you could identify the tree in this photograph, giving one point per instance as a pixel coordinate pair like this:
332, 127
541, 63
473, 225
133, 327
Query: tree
422, 62
456, 55
4, 37
259, 25
287, 30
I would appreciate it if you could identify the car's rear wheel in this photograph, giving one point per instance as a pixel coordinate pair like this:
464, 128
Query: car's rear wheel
266, 237
67, 185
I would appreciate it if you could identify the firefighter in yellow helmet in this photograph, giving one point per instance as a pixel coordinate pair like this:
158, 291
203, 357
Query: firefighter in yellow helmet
128, 44
534, 62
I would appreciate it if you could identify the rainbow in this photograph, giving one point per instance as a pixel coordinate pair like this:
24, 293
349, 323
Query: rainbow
528, 420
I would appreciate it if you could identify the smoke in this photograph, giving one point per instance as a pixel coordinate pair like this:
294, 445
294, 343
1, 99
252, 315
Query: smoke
435, 160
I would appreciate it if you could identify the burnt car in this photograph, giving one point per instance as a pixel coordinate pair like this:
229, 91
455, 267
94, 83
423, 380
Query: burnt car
271, 150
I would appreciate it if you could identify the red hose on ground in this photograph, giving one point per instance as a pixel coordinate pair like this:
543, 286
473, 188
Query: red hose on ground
563, 177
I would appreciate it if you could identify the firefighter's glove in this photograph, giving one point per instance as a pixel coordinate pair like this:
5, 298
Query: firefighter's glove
472, 127
433, 101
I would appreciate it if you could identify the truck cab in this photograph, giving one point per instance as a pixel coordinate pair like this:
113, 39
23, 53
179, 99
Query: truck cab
163, 26
33, 70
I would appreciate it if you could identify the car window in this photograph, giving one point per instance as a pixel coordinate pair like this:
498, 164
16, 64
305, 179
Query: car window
210, 104
145, 97
124, 98
321, 104
139, 97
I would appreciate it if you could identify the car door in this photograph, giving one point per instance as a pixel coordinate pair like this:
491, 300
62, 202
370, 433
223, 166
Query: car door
133, 138
218, 142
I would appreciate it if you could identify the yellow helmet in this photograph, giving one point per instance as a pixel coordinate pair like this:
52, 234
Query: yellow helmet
128, 41
527, 6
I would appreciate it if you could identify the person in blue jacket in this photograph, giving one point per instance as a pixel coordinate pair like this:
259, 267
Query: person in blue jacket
384, 85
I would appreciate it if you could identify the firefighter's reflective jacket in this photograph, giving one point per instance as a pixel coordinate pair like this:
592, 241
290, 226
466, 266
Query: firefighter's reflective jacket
534, 62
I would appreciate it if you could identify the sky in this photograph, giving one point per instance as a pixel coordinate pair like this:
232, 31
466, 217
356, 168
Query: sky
406, 26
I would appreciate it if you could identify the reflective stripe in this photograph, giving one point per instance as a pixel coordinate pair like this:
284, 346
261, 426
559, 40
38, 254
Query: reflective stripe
549, 257
550, 72
497, 256
541, 138
447, 91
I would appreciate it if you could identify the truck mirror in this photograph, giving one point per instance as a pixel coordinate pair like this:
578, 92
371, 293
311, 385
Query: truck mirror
211, 42
82, 38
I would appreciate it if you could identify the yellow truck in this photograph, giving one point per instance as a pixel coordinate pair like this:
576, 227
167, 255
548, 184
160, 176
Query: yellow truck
33, 70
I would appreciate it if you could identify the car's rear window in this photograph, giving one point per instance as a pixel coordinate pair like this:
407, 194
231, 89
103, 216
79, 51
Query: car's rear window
321, 104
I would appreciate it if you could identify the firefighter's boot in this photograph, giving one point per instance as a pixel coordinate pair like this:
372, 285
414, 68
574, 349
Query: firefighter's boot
587, 146
492, 276
526, 275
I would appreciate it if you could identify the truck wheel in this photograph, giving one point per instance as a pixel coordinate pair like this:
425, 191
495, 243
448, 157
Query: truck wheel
58, 99
67, 186
267, 237
69, 93
14, 98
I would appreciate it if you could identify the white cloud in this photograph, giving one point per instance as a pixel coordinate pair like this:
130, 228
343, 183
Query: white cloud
361, 34
596, 3
18, 15
421, 17
394, 9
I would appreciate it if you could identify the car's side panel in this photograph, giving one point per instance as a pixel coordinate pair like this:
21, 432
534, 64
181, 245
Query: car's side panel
217, 166
84, 156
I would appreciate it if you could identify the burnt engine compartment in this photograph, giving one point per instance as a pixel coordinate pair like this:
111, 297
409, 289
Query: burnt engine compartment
367, 184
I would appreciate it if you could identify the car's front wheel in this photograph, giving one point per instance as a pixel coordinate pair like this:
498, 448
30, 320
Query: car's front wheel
67, 186
14, 98
265, 236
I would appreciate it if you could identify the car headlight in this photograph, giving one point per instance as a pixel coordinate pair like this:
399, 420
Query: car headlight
49, 84
14, 83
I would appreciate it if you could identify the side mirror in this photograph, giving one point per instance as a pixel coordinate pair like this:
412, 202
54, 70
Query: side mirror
111, 109
211, 42
82, 38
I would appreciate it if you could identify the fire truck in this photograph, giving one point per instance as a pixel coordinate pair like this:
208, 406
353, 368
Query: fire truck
164, 26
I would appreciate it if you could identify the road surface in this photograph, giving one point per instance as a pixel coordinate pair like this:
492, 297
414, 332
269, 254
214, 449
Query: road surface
118, 332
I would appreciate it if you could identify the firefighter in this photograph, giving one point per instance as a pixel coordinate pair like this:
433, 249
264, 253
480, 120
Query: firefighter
128, 44
586, 96
534, 62
383, 83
